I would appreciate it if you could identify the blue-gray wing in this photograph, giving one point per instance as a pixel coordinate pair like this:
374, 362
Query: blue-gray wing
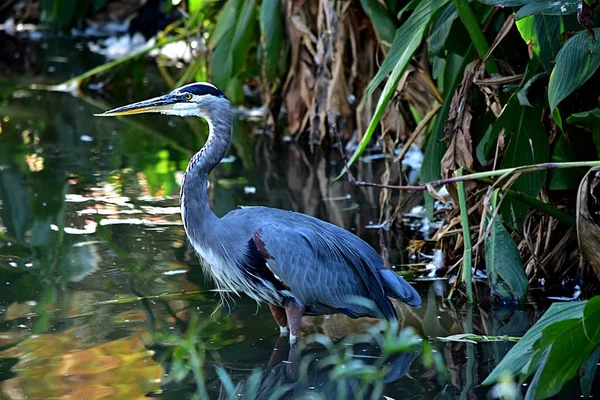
326, 267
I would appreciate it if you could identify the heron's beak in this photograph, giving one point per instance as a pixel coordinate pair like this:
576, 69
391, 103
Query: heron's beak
157, 104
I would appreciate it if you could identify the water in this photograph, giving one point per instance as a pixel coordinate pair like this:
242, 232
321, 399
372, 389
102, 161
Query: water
100, 291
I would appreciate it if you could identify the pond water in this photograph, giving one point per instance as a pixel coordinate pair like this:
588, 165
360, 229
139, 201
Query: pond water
100, 291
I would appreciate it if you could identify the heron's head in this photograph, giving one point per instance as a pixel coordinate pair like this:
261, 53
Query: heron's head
196, 99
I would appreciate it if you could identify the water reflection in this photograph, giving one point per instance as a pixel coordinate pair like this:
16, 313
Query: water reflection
93, 258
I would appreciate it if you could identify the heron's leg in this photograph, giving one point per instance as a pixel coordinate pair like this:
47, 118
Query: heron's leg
294, 316
280, 317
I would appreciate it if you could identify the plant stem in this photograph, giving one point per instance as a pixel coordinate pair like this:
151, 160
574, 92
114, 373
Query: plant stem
540, 205
467, 248
109, 65
480, 175
470, 22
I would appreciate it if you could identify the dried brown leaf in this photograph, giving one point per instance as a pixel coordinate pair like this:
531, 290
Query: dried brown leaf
588, 231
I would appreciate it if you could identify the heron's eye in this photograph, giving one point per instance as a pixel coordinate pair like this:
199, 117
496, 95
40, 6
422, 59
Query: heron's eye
188, 96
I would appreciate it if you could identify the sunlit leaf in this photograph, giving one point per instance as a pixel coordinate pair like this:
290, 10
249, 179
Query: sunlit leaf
576, 62
195, 6
542, 33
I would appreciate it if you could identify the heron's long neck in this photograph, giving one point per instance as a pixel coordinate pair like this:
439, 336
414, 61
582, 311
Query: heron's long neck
198, 218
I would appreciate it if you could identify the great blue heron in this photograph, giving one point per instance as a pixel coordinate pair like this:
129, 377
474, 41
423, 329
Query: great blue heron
297, 264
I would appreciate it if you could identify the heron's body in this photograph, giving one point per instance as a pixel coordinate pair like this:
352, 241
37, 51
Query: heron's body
296, 263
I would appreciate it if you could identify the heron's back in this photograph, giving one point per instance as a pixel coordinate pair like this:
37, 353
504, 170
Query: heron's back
324, 266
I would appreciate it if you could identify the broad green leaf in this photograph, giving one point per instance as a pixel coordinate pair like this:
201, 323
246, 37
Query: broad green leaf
548, 7
543, 34
576, 62
522, 93
520, 355
528, 145
441, 29
408, 38
503, 261
271, 27
381, 18
588, 372
231, 40
504, 3
571, 342
591, 119
242, 38
591, 320
225, 22
564, 178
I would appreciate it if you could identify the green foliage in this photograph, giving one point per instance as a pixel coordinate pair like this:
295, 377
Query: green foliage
543, 34
576, 62
234, 34
406, 41
382, 19
504, 267
566, 338
271, 27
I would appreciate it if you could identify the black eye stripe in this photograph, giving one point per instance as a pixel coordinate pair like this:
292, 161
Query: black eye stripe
200, 89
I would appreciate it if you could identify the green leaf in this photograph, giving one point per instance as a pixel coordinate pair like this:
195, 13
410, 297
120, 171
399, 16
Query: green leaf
590, 119
408, 38
520, 355
503, 261
441, 30
571, 343
381, 19
548, 7
543, 34
225, 22
232, 38
195, 6
522, 93
564, 178
528, 145
588, 373
271, 28
575, 64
